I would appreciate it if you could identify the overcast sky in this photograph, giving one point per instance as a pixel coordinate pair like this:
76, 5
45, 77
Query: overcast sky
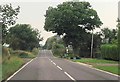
32, 12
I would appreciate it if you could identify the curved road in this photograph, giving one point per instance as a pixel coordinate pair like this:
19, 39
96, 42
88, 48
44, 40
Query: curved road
48, 67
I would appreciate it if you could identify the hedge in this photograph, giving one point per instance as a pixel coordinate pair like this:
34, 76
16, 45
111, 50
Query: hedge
109, 51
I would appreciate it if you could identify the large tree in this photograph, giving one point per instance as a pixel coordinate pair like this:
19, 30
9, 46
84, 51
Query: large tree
23, 37
73, 20
8, 16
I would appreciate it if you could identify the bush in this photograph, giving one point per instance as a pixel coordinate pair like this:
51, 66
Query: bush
35, 51
23, 54
109, 51
58, 49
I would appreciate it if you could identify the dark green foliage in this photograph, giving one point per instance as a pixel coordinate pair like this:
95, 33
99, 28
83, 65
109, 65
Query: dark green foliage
23, 54
109, 51
58, 49
109, 35
56, 44
23, 37
8, 16
49, 43
73, 19
119, 37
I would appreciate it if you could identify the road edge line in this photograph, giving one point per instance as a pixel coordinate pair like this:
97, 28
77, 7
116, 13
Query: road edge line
90, 66
20, 69
104, 71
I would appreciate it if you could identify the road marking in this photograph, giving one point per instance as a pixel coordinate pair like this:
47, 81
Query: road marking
105, 72
90, 66
20, 69
59, 67
49, 59
54, 63
69, 76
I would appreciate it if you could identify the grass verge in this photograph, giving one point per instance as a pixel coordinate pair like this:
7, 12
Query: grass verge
106, 65
17, 59
112, 69
10, 66
95, 61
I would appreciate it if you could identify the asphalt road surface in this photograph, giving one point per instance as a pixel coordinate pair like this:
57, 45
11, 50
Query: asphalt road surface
48, 67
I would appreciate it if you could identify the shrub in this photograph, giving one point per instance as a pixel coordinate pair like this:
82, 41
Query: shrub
35, 51
58, 49
109, 51
23, 54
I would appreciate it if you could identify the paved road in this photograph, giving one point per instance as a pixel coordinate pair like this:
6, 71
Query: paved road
47, 67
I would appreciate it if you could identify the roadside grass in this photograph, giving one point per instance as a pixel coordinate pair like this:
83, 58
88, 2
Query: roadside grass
95, 61
112, 69
16, 60
10, 66
106, 65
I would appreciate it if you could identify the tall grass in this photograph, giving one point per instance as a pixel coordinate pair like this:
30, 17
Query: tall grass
11, 65
13, 60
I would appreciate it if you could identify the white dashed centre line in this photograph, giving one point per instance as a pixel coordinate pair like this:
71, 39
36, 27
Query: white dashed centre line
54, 63
59, 67
69, 76
63, 71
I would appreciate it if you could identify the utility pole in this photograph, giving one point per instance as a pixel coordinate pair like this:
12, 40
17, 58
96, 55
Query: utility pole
92, 45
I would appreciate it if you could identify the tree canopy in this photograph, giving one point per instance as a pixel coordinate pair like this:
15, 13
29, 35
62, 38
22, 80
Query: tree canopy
73, 20
109, 35
8, 16
23, 37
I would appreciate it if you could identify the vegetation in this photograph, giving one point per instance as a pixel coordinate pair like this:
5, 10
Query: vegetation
16, 60
10, 66
119, 38
109, 51
23, 37
58, 49
74, 20
109, 35
35, 51
96, 61
23, 54
106, 65
56, 44
112, 69
8, 16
